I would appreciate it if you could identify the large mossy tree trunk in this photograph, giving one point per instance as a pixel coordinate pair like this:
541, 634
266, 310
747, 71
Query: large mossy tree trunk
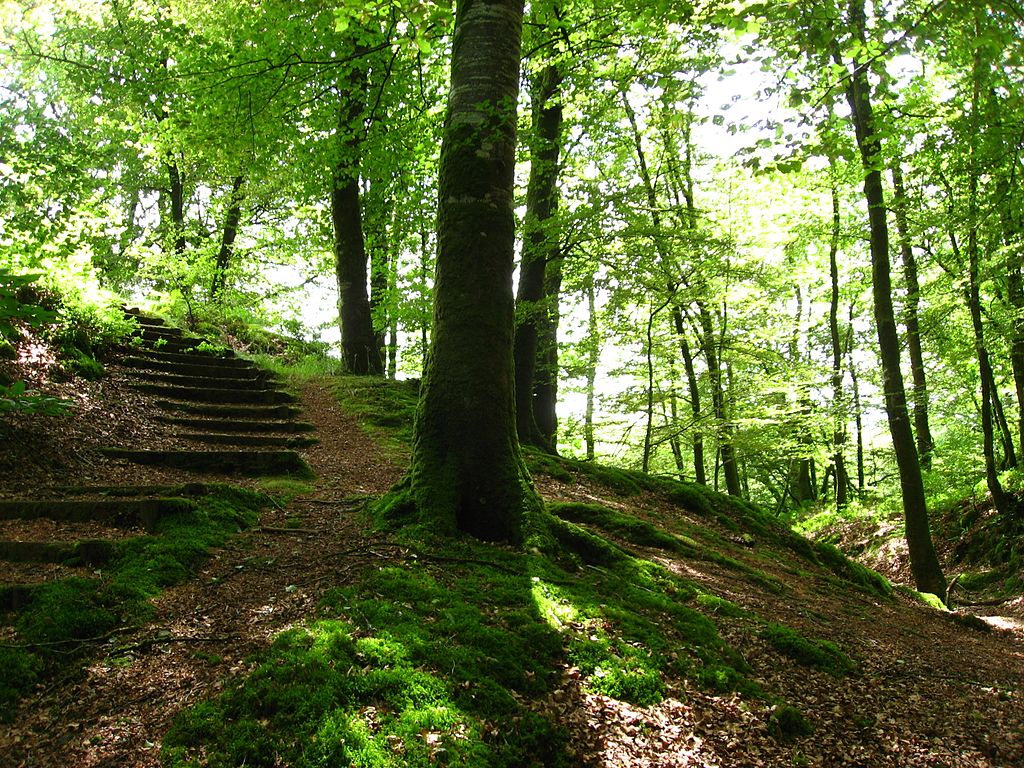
467, 471
540, 247
924, 563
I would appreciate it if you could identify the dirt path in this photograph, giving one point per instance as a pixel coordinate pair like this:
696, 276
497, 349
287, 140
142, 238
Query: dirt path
265, 580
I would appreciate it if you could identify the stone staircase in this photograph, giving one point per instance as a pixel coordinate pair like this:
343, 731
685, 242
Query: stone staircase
214, 415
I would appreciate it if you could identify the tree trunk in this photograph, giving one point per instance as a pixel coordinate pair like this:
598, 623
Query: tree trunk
467, 471
858, 412
177, 195
227, 239
359, 344
919, 391
838, 399
928, 576
539, 247
973, 291
693, 385
545, 378
593, 358
726, 449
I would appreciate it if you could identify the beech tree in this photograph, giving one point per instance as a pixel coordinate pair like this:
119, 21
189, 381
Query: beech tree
467, 470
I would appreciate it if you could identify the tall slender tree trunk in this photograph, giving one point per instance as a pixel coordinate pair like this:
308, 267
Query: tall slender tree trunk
928, 575
232, 219
593, 358
693, 386
176, 192
545, 378
539, 247
858, 412
726, 449
988, 394
919, 391
359, 345
467, 471
838, 396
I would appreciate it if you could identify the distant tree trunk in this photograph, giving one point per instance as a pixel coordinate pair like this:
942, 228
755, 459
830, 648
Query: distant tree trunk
539, 247
1015, 297
973, 291
359, 345
802, 486
176, 193
593, 358
919, 391
467, 472
380, 274
726, 449
545, 378
838, 399
693, 385
928, 576
858, 418
645, 465
227, 239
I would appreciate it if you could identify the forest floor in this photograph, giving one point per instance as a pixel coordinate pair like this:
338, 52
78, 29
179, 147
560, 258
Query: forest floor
927, 690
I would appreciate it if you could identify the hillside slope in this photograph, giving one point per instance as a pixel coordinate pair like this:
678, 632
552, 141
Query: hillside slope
675, 627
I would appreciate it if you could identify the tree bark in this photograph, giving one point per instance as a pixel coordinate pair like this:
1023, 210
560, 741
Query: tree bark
727, 451
359, 344
232, 219
838, 399
928, 576
693, 385
539, 248
545, 378
919, 390
467, 470
593, 358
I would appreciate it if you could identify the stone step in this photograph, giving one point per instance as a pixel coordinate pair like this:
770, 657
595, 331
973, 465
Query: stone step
205, 382
250, 462
142, 318
252, 441
231, 371
183, 490
225, 358
90, 552
184, 344
236, 425
200, 395
244, 412
117, 512
156, 332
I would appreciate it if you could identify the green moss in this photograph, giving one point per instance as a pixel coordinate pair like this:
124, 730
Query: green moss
787, 723
59, 618
630, 528
932, 601
721, 606
83, 364
822, 654
865, 578
20, 671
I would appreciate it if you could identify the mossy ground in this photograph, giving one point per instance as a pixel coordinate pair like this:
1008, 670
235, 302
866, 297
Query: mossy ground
62, 618
444, 654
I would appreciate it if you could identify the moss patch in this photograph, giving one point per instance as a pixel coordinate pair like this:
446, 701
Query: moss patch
57, 619
822, 654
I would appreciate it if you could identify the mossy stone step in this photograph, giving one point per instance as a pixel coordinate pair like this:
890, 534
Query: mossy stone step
207, 382
224, 358
246, 412
236, 425
250, 462
91, 552
180, 345
117, 512
155, 332
199, 395
252, 441
142, 318
233, 371
186, 490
